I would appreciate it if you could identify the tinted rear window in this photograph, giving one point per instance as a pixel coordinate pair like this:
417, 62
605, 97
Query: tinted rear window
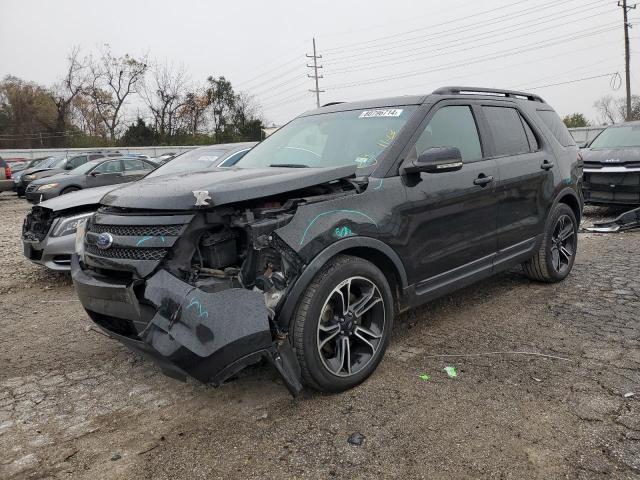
557, 127
507, 130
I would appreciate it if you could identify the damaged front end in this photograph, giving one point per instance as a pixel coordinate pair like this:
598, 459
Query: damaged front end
199, 291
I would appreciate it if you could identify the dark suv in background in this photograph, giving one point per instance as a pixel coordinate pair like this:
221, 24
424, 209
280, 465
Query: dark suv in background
306, 250
612, 166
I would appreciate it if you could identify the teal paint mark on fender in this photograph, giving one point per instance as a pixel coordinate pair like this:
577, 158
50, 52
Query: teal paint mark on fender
343, 231
379, 186
356, 212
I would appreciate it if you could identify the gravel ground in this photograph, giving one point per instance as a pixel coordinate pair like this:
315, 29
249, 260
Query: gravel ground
75, 404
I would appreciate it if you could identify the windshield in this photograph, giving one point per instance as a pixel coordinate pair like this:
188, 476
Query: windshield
618, 137
51, 161
330, 139
60, 163
191, 161
84, 168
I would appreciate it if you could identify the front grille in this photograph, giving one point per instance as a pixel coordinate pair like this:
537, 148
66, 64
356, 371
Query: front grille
154, 254
138, 230
613, 178
37, 224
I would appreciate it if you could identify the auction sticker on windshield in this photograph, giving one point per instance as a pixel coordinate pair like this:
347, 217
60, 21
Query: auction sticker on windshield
387, 112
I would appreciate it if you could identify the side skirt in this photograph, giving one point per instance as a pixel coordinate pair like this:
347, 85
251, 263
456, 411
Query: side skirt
465, 275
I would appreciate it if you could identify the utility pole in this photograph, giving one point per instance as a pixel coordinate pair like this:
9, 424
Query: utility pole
625, 10
315, 75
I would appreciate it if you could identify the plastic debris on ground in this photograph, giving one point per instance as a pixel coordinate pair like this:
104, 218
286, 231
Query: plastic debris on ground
424, 377
356, 439
629, 394
451, 371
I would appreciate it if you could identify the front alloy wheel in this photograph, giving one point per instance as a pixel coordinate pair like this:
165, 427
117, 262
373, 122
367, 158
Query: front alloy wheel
342, 324
350, 326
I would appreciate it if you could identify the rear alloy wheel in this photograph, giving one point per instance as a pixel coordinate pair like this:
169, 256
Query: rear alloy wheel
555, 257
563, 245
343, 324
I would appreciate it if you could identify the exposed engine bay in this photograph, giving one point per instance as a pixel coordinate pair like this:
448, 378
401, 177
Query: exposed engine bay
236, 248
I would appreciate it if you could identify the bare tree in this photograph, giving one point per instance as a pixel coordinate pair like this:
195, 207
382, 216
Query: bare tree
606, 107
621, 105
164, 94
192, 112
64, 92
86, 117
112, 80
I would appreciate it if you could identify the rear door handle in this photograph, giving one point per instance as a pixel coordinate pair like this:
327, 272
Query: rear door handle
546, 165
483, 180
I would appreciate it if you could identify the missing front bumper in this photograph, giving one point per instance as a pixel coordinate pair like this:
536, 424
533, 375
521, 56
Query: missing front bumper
186, 331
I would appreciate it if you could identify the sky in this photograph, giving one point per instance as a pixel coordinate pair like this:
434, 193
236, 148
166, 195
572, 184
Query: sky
567, 51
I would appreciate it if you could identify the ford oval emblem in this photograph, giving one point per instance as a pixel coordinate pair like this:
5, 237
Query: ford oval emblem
105, 240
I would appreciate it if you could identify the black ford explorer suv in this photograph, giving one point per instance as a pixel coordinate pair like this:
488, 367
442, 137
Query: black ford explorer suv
306, 250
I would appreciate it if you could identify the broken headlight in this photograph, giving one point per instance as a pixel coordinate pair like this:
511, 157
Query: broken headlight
68, 225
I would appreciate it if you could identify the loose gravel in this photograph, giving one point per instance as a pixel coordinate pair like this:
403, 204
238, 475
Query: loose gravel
75, 404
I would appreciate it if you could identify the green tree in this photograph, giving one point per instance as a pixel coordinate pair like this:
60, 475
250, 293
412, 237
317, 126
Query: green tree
575, 120
222, 100
139, 135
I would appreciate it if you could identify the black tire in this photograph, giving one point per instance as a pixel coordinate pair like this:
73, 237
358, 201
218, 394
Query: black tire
360, 277
544, 266
69, 190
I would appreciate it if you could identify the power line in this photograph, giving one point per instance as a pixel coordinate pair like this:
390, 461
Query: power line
571, 81
386, 37
504, 53
482, 36
445, 52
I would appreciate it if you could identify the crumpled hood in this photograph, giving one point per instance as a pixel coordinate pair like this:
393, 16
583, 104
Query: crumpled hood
612, 156
222, 185
32, 170
89, 196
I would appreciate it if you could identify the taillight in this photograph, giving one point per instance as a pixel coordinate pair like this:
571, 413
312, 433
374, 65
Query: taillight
7, 172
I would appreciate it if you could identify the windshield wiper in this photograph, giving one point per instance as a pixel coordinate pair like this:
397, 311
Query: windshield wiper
289, 165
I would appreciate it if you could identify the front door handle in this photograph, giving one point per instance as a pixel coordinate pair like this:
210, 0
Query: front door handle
483, 180
546, 165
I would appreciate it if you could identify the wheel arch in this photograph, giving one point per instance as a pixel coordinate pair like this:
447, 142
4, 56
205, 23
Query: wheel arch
367, 248
569, 197
72, 187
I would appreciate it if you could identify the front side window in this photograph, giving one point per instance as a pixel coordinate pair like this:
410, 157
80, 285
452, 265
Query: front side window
233, 159
109, 167
353, 137
452, 126
131, 165
509, 136
618, 137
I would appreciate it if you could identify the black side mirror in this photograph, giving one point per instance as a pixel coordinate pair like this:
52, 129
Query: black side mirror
68, 166
94, 174
435, 160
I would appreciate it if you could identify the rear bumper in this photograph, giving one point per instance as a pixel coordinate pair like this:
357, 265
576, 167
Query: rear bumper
52, 252
611, 186
186, 331
6, 185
